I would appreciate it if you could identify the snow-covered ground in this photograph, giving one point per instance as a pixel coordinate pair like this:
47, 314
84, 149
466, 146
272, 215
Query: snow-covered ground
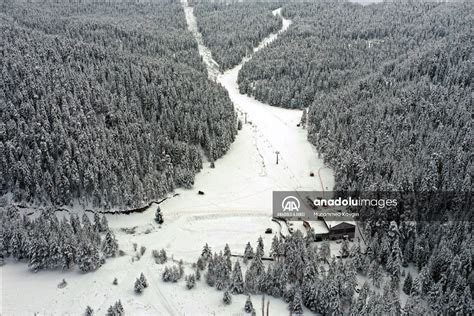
211, 64
236, 208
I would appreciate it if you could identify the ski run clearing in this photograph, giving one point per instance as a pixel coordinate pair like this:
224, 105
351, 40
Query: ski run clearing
235, 209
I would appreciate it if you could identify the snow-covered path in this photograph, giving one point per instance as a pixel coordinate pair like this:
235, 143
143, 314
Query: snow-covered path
212, 66
236, 208
245, 177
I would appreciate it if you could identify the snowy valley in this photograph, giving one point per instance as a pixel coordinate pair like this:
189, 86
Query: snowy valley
141, 145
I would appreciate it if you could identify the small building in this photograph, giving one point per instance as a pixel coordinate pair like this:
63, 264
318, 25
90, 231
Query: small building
340, 229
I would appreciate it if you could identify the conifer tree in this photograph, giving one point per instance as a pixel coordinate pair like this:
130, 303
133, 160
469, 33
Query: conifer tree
407, 284
227, 298
248, 253
248, 305
237, 282
89, 311
190, 281
206, 252
110, 245
296, 305
138, 287
158, 216
143, 280
260, 245
274, 250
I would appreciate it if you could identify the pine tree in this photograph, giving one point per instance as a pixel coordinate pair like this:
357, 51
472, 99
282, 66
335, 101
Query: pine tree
361, 301
211, 273
88, 257
304, 118
260, 245
190, 281
237, 282
110, 245
104, 224
119, 308
97, 224
115, 281
250, 284
257, 263
274, 250
201, 264
395, 262
227, 298
111, 311
222, 273
248, 305
248, 253
407, 284
391, 300
162, 257
89, 311
158, 216
143, 280
138, 287
375, 274
86, 223
227, 252
296, 305
466, 302
206, 252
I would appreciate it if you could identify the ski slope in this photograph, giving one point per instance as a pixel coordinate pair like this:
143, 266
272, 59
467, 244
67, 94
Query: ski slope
236, 208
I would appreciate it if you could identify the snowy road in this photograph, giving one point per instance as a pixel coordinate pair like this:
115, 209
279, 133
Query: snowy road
236, 208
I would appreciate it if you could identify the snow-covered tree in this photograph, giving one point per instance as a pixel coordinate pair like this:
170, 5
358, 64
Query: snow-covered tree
237, 282
296, 305
227, 299
89, 311
260, 246
250, 284
248, 305
190, 281
206, 252
110, 245
375, 274
407, 284
158, 216
248, 253
345, 248
138, 286
116, 309
104, 224
88, 257
143, 280
274, 250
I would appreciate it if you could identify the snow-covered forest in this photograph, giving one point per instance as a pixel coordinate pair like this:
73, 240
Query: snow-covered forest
388, 88
104, 105
232, 31
46, 242
134, 180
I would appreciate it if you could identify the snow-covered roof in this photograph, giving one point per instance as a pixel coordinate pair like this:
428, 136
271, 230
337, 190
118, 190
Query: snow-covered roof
319, 227
335, 223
